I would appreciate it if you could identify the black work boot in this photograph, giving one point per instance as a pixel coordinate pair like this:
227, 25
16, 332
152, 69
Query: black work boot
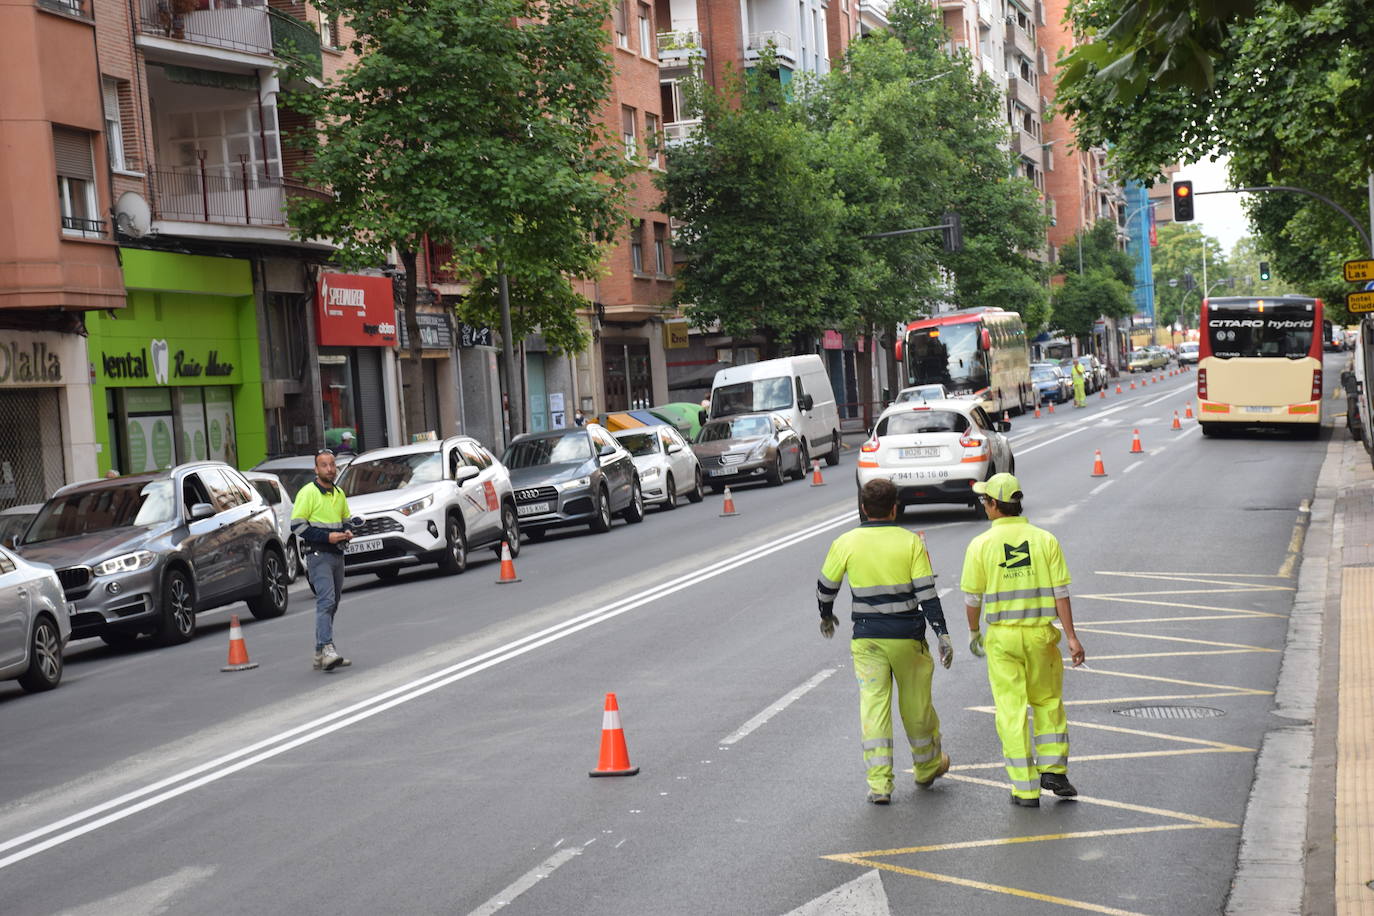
1059, 784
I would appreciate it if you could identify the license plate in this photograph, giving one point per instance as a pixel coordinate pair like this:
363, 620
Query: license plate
721, 472
920, 475
534, 508
362, 546
922, 452
1260, 409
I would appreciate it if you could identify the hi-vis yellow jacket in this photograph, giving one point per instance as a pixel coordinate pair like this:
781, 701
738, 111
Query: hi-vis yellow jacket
1015, 570
890, 580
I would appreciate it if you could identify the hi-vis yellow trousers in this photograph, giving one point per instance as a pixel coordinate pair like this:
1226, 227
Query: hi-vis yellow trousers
1025, 669
877, 663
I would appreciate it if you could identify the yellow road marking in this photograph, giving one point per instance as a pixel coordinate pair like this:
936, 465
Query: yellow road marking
1203, 591
1017, 840
1231, 616
1109, 803
1174, 654
1184, 576
1094, 628
1125, 755
1217, 745
1235, 612
1295, 543
1171, 680
982, 885
1176, 696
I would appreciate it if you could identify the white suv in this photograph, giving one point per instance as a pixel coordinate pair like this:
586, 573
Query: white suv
425, 503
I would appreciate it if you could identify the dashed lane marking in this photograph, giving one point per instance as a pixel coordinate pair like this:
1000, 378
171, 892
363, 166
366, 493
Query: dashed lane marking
782, 703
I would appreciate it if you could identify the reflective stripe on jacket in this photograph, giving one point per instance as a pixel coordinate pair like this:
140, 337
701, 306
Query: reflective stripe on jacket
890, 580
1015, 571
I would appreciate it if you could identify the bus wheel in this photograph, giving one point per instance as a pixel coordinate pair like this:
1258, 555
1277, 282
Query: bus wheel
1209, 429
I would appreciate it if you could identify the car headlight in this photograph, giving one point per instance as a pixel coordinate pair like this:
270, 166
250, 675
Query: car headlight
575, 483
648, 472
418, 506
126, 562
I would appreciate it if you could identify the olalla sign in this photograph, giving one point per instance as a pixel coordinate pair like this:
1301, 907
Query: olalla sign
161, 364
355, 311
28, 365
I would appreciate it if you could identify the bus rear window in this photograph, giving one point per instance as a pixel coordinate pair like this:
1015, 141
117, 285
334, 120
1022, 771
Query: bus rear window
1277, 332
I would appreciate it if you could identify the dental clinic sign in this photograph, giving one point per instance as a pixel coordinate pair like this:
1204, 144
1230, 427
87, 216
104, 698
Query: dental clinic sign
355, 311
162, 365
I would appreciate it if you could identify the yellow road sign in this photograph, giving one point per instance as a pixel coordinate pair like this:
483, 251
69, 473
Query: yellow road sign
1359, 271
1359, 302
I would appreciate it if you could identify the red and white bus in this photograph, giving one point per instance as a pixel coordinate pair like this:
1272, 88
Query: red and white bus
1260, 363
979, 352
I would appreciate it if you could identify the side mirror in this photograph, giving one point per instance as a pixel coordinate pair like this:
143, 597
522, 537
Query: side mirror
806, 402
465, 472
201, 510
674, 449
606, 451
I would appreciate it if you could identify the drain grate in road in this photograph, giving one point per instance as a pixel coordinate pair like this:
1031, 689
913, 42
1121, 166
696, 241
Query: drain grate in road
1170, 712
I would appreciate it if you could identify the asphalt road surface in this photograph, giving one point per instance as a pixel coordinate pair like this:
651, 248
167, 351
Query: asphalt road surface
446, 771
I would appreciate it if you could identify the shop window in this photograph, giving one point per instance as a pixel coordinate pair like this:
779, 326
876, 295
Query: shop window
76, 182
161, 427
338, 397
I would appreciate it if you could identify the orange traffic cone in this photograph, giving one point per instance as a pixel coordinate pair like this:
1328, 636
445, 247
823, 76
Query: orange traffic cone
1118, 387
1188, 410
1006, 417
1037, 411
1133, 384
615, 756
238, 652
507, 566
729, 507
1135, 443
816, 479
1102, 394
1051, 407
1177, 425
1099, 469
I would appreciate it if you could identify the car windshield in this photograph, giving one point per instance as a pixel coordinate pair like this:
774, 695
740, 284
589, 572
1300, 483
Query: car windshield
742, 428
948, 355
532, 453
378, 475
922, 421
744, 397
1046, 374
12, 526
1140, 354
130, 505
639, 444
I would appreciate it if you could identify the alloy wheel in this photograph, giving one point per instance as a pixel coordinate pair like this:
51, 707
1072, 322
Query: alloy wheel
48, 650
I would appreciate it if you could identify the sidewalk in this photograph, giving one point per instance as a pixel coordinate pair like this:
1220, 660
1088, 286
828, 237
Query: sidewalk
1308, 840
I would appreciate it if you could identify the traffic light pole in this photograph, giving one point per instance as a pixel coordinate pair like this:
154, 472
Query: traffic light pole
1366, 236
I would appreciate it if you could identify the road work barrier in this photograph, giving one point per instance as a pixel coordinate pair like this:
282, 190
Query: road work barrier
614, 759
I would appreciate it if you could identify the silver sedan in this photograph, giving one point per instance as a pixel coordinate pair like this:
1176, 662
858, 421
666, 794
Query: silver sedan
34, 625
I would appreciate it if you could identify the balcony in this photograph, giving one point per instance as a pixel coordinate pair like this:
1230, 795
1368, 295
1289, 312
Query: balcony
676, 49
1023, 143
80, 8
1022, 91
780, 42
1019, 39
232, 195
679, 132
251, 28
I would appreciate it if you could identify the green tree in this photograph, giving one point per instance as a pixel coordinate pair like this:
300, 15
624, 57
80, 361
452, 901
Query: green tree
1179, 254
475, 122
1098, 278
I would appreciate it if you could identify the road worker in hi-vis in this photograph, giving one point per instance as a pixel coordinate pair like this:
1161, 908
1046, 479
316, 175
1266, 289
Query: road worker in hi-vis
1015, 574
893, 591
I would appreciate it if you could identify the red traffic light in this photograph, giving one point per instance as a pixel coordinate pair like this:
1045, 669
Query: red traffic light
1183, 201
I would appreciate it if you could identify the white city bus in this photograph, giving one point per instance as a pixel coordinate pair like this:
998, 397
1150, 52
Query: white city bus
980, 352
1260, 363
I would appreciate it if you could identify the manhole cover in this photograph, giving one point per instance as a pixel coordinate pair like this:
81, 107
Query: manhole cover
1169, 712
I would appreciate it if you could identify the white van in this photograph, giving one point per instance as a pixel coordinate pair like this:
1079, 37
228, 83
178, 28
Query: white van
798, 387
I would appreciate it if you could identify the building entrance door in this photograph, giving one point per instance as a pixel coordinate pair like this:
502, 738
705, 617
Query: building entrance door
629, 380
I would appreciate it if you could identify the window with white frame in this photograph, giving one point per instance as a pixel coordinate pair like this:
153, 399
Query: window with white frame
660, 250
114, 127
653, 139
224, 135
628, 132
76, 182
620, 17
646, 31
637, 246
329, 31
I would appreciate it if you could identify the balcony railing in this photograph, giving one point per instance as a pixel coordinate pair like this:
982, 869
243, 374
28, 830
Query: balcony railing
1018, 38
230, 195
1024, 92
676, 47
780, 42
90, 228
251, 28
80, 8
679, 131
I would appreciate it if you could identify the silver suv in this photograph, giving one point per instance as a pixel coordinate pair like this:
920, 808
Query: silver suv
144, 554
430, 502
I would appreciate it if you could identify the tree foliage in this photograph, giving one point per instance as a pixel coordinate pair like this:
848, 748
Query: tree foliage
474, 122
1179, 255
1098, 277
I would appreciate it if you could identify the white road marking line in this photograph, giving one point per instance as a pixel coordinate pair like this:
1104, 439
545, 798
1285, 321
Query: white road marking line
1027, 451
266, 749
1162, 397
1100, 487
785, 701
526, 881
1132, 467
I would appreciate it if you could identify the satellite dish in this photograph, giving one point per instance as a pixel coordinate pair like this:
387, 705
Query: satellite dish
133, 216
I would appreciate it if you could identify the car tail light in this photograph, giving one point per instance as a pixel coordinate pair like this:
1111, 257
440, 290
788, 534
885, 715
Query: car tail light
975, 449
870, 446
970, 442
1316, 385
1202, 384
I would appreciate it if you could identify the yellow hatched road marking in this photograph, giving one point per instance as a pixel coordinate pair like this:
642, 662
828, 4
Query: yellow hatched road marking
1125, 755
1236, 589
1176, 653
1110, 803
1175, 696
1017, 840
1186, 576
1226, 611
1217, 745
1171, 680
1094, 628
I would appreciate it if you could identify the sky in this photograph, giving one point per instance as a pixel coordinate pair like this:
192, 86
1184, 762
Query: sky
1220, 215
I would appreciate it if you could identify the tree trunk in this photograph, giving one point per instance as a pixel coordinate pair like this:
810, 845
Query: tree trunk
412, 378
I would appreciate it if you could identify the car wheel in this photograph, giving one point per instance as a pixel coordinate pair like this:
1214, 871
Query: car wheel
774, 475
670, 488
119, 640
294, 567
601, 522
697, 493
510, 531
455, 558
272, 601
386, 575
1011, 464
178, 611
634, 512
832, 457
45, 657
802, 461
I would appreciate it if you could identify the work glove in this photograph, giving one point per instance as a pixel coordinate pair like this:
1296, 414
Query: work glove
828, 625
946, 650
975, 644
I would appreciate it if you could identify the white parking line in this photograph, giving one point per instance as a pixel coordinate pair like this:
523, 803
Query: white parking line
783, 702
214, 770
528, 880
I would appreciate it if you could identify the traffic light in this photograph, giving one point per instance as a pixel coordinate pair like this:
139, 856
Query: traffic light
1183, 201
953, 232
1188, 282
1264, 271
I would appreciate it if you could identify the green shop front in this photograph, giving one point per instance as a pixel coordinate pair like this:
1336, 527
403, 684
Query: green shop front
175, 376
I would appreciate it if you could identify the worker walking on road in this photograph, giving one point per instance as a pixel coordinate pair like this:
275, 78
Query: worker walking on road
1080, 393
893, 591
319, 518
1015, 573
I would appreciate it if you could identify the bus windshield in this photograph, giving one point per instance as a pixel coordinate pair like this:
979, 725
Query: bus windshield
948, 355
1277, 331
